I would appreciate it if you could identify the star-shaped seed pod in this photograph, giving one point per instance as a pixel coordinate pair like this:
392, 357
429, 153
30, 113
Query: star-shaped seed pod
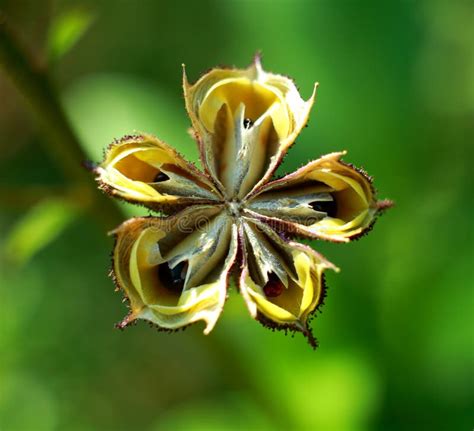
231, 218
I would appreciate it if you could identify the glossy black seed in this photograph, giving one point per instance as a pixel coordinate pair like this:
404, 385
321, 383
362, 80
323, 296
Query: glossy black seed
248, 123
160, 177
173, 278
274, 286
328, 207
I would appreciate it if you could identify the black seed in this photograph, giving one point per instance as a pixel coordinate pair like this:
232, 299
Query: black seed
160, 177
274, 286
328, 207
248, 123
173, 278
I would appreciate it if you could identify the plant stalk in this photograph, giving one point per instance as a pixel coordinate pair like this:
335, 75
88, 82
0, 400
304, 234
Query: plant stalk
32, 81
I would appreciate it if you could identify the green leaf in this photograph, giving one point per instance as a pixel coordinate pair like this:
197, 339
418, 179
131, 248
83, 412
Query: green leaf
39, 227
66, 30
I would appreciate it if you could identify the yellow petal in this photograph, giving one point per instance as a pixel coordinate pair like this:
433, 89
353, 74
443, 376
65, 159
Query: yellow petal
346, 199
268, 296
245, 120
145, 246
145, 170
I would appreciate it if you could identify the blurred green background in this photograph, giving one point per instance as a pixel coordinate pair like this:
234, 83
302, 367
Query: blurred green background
396, 335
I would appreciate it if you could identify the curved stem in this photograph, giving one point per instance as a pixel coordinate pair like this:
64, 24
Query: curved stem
32, 81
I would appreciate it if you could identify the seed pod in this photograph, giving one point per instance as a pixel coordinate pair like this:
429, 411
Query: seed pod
174, 270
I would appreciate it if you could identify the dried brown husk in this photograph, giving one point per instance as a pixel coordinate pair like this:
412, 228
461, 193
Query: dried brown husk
298, 268
201, 236
132, 168
287, 201
245, 120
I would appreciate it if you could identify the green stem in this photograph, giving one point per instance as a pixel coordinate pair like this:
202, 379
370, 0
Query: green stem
31, 79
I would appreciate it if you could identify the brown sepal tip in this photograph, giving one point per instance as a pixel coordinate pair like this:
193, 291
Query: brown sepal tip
289, 329
384, 204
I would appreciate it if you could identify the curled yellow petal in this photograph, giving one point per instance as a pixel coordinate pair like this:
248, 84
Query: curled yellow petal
281, 282
245, 120
145, 170
174, 270
325, 199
